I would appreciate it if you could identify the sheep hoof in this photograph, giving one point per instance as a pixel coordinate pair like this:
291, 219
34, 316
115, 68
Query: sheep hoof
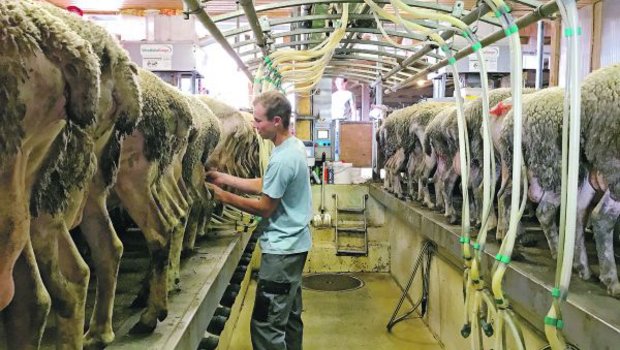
584, 273
140, 301
527, 240
99, 341
186, 253
453, 220
144, 327
614, 289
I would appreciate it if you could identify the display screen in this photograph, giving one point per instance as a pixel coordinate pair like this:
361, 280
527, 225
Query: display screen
322, 134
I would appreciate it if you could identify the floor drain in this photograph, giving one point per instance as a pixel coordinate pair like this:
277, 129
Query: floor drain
331, 282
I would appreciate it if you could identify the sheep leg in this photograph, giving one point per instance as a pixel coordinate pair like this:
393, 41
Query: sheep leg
603, 220
106, 251
410, 168
66, 276
14, 224
429, 166
173, 195
547, 212
503, 203
584, 199
144, 210
25, 317
439, 185
450, 182
191, 229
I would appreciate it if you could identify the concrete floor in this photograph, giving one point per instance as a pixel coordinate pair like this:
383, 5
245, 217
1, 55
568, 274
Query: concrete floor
349, 320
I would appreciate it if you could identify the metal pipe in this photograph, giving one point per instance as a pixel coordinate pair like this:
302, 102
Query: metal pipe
364, 10
474, 15
250, 13
540, 46
203, 17
544, 11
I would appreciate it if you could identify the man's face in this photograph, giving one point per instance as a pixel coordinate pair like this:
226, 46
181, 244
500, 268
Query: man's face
266, 128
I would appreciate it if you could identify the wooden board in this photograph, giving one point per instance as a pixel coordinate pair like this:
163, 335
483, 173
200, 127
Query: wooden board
356, 143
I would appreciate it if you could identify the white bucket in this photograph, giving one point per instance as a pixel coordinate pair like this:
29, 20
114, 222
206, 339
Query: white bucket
342, 174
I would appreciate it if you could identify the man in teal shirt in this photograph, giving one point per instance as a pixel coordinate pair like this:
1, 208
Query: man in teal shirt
286, 202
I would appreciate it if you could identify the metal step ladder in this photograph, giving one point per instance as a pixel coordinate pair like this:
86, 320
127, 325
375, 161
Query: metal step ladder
352, 222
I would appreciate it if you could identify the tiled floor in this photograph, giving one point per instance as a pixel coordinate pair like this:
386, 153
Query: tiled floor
349, 320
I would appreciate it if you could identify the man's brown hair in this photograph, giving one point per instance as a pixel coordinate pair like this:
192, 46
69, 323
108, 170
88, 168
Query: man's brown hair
275, 104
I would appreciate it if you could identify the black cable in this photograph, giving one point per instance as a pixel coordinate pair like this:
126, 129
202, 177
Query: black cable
426, 252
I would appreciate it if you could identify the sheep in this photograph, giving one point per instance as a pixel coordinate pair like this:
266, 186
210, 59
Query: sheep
392, 130
49, 93
203, 138
117, 113
421, 165
149, 171
542, 157
444, 179
600, 128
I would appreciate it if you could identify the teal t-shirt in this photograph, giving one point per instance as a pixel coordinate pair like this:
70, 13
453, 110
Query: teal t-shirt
287, 178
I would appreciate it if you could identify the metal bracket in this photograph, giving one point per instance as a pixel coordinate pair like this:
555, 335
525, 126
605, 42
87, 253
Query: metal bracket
265, 26
457, 10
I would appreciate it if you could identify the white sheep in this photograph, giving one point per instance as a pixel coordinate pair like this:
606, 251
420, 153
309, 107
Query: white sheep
50, 87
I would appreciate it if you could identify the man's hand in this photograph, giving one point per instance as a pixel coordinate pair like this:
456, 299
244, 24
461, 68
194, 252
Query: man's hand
217, 178
218, 193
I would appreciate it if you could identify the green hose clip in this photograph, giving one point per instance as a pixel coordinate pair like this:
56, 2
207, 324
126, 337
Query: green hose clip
464, 240
550, 321
557, 294
511, 30
476, 46
502, 258
451, 60
502, 10
570, 31
476, 245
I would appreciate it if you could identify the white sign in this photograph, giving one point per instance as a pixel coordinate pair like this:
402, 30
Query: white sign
156, 56
490, 55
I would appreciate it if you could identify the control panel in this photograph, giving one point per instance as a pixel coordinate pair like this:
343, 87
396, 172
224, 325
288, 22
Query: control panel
323, 141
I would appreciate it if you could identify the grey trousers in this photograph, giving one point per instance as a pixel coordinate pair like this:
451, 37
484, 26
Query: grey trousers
276, 319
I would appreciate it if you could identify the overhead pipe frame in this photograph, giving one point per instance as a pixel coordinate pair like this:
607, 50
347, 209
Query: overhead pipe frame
204, 18
290, 20
544, 11
293, 3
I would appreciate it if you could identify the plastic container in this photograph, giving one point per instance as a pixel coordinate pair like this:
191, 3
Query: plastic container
342, 173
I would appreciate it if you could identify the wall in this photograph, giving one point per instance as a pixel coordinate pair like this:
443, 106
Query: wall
322, 256
610, 48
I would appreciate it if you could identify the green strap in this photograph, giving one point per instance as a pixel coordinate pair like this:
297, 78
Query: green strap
464, 239
502, 258
476, 245
476, 46
570, 31
451, 60
511, 30
550, 321
555, 292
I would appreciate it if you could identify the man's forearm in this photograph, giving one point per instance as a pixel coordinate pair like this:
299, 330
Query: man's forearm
249, 186
249, 205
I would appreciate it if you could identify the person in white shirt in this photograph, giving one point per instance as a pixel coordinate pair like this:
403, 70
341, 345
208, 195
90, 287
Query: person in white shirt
343, 105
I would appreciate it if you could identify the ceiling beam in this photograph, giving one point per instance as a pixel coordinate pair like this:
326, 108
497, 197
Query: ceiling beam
197, 10
250, 13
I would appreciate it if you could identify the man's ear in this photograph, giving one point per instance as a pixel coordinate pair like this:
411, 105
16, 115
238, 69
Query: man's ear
278, 120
